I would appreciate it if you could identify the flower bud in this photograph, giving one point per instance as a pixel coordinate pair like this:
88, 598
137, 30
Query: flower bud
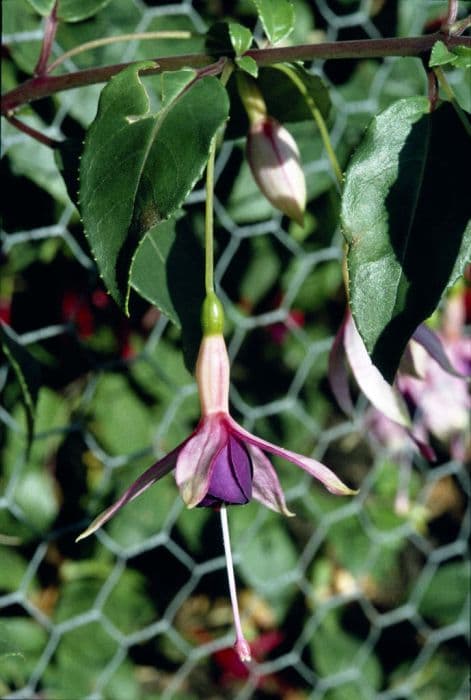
273, 157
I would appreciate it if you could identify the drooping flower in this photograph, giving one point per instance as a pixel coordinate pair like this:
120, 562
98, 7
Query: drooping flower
430, 395
221, 463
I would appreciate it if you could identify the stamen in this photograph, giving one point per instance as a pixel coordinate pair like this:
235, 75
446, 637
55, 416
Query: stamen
241, 645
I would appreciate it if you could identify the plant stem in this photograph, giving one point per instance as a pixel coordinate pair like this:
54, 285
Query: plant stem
105, 41
452, 12
451, 96
209, 221
319, 119
34, 133
50, 30
42, 86
209, 204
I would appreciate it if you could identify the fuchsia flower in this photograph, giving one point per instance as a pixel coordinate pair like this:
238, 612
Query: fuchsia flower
273, 157
220, 463
431, 382
272, 154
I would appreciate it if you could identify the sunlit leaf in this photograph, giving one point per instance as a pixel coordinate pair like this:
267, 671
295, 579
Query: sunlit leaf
405, 215
138, 167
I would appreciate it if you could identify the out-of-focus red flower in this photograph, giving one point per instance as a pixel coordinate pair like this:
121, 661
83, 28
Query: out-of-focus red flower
5, 311
76, 309
231, 666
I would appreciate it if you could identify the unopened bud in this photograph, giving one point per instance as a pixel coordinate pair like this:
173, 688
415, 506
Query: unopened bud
273, 157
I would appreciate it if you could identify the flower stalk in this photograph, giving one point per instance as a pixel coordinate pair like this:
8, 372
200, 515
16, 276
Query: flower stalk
241, 645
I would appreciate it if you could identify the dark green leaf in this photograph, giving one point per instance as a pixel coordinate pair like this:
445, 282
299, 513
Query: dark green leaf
67, 157
168, 271
283, 98
335, 651
277, 17
218, 40
137, 168
405, 214
445, 596
26, 370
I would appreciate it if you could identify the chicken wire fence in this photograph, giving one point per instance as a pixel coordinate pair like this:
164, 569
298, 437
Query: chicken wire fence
354, 598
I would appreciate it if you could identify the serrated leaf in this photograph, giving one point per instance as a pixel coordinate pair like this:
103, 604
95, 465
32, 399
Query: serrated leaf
26, 371
241, 38
277, 17
405, 215
459, 56
168, 271
247, 64
67, 158
137, 167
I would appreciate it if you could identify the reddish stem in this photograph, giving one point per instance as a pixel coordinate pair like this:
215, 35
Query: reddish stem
43, 86
50, 30
34, 133
452, 12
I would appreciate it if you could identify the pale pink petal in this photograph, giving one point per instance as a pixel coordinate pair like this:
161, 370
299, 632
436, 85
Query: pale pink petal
433, 345
338, 373
370, 380
142, 483
193, 469
265, 485
319, 471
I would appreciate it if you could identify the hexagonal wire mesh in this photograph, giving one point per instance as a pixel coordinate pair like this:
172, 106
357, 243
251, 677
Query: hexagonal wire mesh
349, 587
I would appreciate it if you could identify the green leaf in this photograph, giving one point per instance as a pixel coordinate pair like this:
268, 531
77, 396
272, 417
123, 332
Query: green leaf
78, 10
228, 38
335, 651
460, 56
277, 17
34, 161
70, 10
283, 97
22, 641
67, 158
446, 594
168, 271
137, 168
241, 38
26, 370
43, 7
405, 215
247, 64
